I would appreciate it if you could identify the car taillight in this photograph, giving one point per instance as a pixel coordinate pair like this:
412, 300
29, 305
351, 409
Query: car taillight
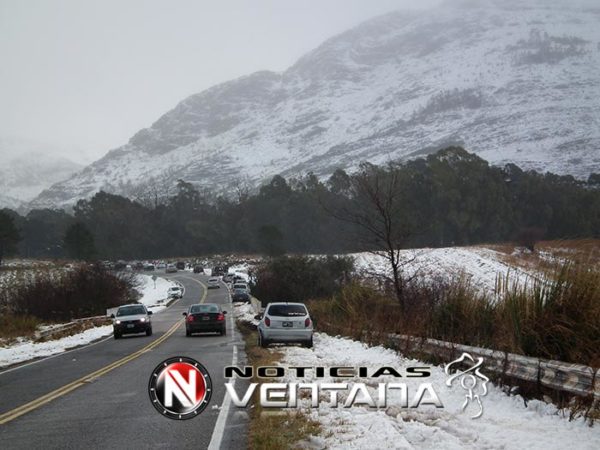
307, 322
190, 318
267, 321
220, 317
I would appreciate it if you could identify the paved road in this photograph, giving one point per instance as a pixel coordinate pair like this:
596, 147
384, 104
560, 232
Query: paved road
113, 410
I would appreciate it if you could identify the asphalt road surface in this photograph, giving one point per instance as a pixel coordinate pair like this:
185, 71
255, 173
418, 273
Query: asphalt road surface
55, 403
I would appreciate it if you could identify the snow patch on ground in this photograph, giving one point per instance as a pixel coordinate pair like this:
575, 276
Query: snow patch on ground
154, 296
245, 312
481, 266
25, 350
506, 422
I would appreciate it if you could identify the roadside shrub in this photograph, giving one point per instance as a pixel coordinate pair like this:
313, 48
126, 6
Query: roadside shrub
12, 326
82, 291
299, 278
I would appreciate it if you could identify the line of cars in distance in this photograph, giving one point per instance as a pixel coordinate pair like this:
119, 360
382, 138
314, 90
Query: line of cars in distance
150, 266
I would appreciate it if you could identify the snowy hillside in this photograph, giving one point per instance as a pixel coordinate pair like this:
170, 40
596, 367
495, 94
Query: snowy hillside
27, 168
480, 266
509, 81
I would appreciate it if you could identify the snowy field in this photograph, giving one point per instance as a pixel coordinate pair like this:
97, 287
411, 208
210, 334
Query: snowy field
506, 422
481, 266
26, 349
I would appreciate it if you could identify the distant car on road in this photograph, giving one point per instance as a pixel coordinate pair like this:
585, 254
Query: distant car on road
131, 319
175, 292
285, 323
205, 317
198, 269
180, 265
149, 267
213, 283
240, 295
228, 278
171, 268
241, 286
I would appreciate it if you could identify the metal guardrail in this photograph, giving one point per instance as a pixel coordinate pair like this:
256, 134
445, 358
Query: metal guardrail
70, 325
575, 379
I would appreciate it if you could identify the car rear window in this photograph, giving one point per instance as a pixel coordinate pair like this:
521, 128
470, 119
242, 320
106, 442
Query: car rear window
131, 311
239, 286
204, 309
287, 310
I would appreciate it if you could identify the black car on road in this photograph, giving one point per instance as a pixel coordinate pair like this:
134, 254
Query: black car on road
205, 317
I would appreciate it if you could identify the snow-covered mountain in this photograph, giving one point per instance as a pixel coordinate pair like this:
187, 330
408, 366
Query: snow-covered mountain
509, 81
27, 168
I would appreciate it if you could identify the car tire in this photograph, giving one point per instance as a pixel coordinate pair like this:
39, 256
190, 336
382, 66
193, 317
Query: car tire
149, 332
117, 335
188, 333
223, 332
309, 343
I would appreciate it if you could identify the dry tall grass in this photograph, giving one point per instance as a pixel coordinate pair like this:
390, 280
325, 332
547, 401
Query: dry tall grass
555, 317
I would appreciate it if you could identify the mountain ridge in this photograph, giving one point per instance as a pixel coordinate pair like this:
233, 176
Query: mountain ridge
513, 86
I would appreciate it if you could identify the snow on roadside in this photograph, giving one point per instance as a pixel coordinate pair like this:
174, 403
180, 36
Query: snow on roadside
155, 298
245, 312
25, 349
506, 422
481, 266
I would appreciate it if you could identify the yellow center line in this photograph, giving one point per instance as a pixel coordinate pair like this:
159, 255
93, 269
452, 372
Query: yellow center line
44, 399
205, 293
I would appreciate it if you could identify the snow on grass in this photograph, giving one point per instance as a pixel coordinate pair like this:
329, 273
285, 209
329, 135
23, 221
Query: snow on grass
481, 266
25, 350
245, 312
506, 422
154, 296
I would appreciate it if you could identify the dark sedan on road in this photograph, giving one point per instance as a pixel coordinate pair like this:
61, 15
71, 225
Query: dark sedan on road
131, 319
205, 317
240, 295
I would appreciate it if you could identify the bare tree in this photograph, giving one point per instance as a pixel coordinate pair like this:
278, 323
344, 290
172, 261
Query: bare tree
376, 208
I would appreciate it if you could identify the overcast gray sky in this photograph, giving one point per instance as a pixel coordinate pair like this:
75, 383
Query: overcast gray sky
84, 76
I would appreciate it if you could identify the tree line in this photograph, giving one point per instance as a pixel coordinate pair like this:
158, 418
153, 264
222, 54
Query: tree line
448, 198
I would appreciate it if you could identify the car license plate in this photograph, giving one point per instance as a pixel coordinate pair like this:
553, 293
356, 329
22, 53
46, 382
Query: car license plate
205, 318
130, 325
287, 324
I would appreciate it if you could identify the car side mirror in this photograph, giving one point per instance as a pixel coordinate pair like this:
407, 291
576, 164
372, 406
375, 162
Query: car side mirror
184, 314
150, 313
224, 312
112, 316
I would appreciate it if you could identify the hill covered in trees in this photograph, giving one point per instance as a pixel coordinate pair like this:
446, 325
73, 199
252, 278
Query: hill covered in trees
449, 198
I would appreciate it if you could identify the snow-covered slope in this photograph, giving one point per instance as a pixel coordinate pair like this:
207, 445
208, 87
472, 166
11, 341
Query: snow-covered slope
27, 168
479, 266
509, 81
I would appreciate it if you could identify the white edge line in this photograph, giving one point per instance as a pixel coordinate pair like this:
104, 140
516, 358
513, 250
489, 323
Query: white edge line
217, 436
